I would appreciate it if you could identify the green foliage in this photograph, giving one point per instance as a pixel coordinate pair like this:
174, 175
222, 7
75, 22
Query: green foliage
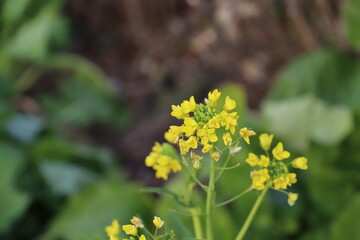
87, 213
352, 20
12, 200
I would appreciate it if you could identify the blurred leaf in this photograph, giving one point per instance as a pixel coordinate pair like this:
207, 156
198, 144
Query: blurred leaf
163, 191
87, 213
65, 178
33, 40
12, 12
302, 119
12, 201
327, 74
322, 180
351, 15
24, 127
85, 71
346, 225
53, 147
79, 109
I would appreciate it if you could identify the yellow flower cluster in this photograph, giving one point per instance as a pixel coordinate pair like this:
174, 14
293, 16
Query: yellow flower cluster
161, 160
113, 231
273, 170
201, 122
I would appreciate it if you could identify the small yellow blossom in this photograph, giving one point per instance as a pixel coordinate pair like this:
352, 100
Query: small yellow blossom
229, 104
279, 153
227, 139
113, 237
291, 178
195, 156
207, 148
215, 156
245, 133
142, 237
113, 229
190, 126
259, 178
212, 98
280, 183
265, 141
252, 159
207, 135
188, 106
158, 222
292, 197
300, 163
137, 222
178, 112
130, 229
264, 161
196, 164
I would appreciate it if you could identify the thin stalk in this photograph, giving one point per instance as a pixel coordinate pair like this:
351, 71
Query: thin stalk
224, 166
205, 188
233, 198
210, 201
252, 213
197, 223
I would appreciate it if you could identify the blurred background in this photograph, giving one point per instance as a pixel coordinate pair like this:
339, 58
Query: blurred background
86, 88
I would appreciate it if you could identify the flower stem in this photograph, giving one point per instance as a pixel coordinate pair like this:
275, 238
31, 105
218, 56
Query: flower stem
210, 201
197, 223
252, 213
233, 198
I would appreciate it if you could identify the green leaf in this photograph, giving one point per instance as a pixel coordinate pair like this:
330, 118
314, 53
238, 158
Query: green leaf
327, 74
346, 226
12, 201
87, 213
24, 127
350, 11
302, 119
66, 178
13, 11
33, 40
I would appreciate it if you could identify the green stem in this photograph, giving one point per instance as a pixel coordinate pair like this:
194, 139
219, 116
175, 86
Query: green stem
192, 175
252, 213
197, 223
233, 198
210, 201
224, 166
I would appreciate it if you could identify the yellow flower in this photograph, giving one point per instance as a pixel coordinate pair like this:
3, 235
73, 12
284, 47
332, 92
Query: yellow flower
196, 164
227, 139
113, 229
291, 178
215, 156
264, 161
190, 126
130, 229
207, 135
280, 183
212, 98
229, 104
142, 237
292, 197
279, 153
137, 222
173, 134
112, 237
188, 106
259, 178
195, 156
178, 112
158, 222
207, 148
252, 159
300, 163
265, 141
245, 133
